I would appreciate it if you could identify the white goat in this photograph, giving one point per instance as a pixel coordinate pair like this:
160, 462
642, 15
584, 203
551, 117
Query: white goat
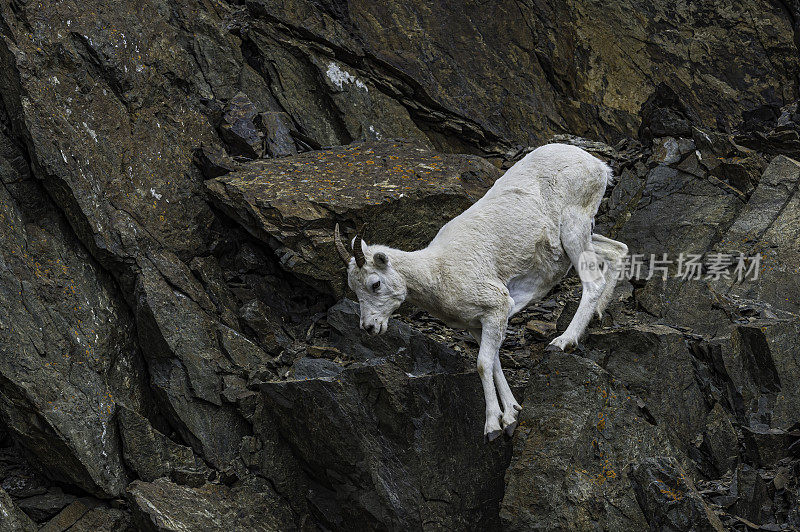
508, 249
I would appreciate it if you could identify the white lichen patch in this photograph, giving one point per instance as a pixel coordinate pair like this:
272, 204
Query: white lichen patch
90, 131
339, 77
155, 194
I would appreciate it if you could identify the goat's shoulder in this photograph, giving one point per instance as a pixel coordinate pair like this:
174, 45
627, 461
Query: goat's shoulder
465, 297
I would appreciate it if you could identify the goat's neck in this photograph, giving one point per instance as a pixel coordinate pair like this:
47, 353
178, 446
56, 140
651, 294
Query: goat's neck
418, 268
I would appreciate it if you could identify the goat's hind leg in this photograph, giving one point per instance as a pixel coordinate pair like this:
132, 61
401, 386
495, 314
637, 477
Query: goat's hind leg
612, 252
576, 238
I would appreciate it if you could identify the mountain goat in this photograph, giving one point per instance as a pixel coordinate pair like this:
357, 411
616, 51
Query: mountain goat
508, 249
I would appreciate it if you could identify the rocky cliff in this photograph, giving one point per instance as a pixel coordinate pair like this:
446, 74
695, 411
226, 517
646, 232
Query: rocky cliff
175, 350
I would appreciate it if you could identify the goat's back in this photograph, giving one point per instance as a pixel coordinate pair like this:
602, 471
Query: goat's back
521, 214
561, 174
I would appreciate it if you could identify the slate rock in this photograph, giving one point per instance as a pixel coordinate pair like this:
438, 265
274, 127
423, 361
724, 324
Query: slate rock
416, 353
238, 128
67, 517
767, 445
668, 497
656, 364
163, 506
720, 442
19, 478
761, 362
480, 94
67, 338
278, 138
213, 161
674, 211
754, 500
103, 108
669, 150
104, 519
314, 368
150, 454
42, 507
769, 225
13, 519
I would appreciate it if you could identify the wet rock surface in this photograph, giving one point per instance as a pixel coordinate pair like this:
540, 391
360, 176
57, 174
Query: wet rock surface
173, 356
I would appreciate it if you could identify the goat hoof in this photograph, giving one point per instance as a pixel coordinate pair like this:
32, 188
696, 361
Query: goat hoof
517, 407
553, 348
564, 343
493, 434
509, 429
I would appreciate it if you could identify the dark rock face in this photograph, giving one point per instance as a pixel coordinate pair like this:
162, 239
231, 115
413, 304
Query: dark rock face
171, 173
374, 436
519, 71
579, 432
152, 455
69, 349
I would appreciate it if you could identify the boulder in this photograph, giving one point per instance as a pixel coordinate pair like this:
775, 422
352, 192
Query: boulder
658, 365
103, 519
402, 191
278, 139
42, 507
238, 129
672, 210
405, 346
69, 516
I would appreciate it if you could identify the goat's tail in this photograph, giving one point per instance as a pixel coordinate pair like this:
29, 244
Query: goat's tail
611, 179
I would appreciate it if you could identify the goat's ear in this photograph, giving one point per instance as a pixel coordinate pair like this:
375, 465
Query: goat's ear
380, 260
364, 245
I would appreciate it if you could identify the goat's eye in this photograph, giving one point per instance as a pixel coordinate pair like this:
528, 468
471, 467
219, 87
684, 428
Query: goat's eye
376, 285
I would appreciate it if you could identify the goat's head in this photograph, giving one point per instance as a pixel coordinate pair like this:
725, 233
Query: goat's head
371, 275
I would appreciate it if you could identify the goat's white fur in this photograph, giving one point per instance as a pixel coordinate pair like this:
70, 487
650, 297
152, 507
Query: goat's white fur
508, 249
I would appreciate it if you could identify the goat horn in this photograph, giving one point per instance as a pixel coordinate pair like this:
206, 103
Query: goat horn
358, 253
340, 246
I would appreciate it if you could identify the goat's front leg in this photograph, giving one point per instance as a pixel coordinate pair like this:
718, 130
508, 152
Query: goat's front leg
510, 405
492, 336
